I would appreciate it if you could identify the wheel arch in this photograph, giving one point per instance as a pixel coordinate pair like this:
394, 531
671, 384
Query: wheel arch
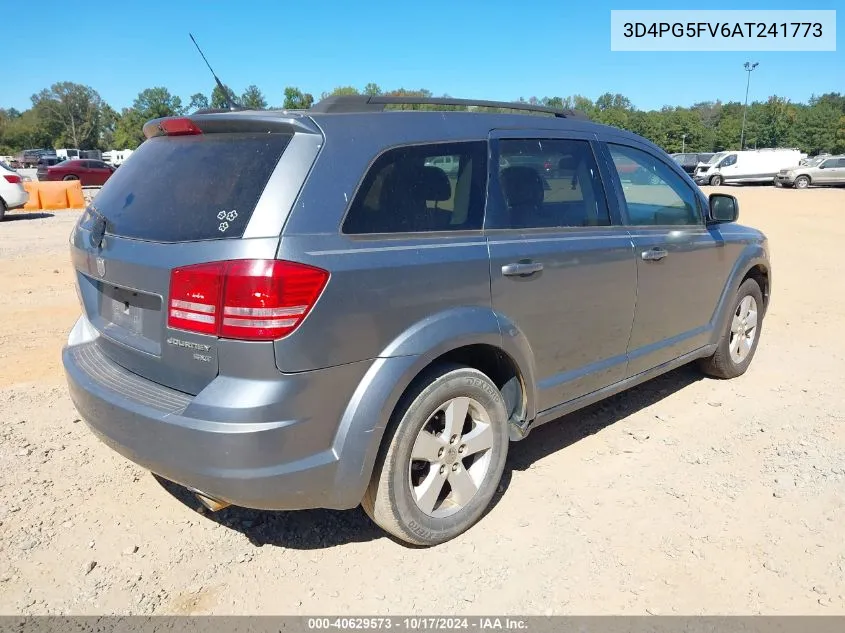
752, 264
759, 272
467, 336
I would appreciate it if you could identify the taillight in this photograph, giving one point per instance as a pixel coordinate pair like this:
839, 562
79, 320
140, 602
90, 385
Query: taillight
195, 298
179, 127
14, 179
244, 299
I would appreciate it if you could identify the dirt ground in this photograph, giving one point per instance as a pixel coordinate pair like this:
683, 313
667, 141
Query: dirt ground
686, 495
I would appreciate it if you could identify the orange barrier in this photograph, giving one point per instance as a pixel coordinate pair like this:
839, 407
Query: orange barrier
54, 195
75, 199
32, 204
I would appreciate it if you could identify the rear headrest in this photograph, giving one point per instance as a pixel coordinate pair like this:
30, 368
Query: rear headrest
434, 184
569, 163
522, 186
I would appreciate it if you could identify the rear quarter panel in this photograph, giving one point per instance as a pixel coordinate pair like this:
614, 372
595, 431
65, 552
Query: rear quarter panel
380, 286
378, 290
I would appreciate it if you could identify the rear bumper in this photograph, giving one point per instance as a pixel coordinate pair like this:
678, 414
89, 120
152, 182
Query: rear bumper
294, 463
15, 198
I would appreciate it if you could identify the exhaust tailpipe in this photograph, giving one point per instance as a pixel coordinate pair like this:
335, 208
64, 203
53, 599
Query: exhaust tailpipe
213, 505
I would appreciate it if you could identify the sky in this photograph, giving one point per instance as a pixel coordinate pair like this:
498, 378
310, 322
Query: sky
497, 50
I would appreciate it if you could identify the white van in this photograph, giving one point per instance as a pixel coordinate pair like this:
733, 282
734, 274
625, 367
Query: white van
116, 157
67, 154
757, 165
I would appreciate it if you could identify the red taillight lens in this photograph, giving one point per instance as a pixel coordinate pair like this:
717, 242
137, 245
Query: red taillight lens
244, 299
195, 298
179, 127
13, 179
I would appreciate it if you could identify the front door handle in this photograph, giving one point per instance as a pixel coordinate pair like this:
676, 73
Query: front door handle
521, 269
655, 254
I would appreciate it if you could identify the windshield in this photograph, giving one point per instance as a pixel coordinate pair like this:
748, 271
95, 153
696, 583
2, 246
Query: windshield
5, 166
716, 158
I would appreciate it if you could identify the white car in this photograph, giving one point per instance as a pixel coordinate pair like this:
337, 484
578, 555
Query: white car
12, 192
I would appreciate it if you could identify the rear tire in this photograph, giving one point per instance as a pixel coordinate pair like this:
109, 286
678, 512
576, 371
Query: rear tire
716, 180
438, 473
70, 177
739, 340
2, 209
802, 182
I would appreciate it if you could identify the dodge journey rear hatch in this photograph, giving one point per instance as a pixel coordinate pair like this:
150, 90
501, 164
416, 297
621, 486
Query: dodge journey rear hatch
165, 266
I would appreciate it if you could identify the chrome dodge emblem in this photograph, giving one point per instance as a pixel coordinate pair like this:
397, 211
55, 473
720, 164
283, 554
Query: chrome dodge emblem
101, 266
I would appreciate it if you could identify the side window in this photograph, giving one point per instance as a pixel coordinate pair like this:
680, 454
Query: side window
728, 161
841, 162
830, 163
422, 188
654, 194
551, 183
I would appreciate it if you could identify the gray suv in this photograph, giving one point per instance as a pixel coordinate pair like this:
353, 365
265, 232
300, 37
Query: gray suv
300, 309
827, 171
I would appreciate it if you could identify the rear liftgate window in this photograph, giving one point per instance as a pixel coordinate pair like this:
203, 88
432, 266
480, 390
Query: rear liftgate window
188, 188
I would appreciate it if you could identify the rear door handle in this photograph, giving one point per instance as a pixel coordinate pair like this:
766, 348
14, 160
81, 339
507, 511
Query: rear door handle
655, 254
521, 269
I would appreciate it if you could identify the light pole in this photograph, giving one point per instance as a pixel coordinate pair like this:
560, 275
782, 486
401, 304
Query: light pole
749, 67
683, 142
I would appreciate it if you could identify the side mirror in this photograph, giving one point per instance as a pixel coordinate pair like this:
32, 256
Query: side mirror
723, 209
821, 166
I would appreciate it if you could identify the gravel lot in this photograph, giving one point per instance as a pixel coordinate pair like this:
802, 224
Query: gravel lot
686, 495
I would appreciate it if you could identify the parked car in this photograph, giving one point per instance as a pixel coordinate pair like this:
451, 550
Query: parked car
12, 192
88, 172
45, 162
281, 312
28, 158
630, 171
748, 166
689, 161
828, 171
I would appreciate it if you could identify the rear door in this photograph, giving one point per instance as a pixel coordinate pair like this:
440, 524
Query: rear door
830, 171
682, 265
181, 200
561, 271
100, 172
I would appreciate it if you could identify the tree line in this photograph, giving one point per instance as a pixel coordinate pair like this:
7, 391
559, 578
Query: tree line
73, 115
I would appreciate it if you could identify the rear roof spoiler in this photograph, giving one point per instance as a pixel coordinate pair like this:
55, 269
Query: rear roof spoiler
364, 103
227, 121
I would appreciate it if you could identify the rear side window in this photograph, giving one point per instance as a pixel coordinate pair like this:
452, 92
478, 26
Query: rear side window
420, 189
188, 188
549, 183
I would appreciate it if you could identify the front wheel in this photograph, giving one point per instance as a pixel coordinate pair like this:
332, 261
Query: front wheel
739, 342
716, 180
802, 182
70, 177
443, 463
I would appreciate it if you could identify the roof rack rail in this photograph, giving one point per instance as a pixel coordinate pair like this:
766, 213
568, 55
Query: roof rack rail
365, 103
